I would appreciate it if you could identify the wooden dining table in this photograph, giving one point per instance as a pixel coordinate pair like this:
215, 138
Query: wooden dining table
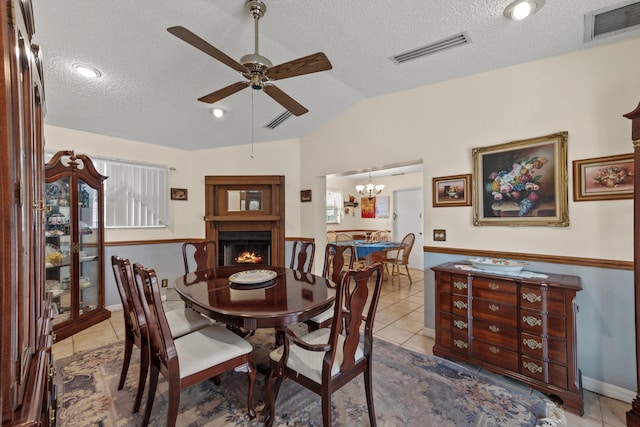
291, 297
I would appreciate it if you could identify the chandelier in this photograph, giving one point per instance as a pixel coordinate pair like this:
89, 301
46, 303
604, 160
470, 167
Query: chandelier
370, 190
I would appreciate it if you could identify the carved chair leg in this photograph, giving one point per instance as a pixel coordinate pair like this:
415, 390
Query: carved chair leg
142, 378
128, 349
251, 373
173, 403
153, 385
273, 383
325, 395
368, 388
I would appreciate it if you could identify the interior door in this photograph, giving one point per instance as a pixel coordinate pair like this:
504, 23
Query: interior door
407, 218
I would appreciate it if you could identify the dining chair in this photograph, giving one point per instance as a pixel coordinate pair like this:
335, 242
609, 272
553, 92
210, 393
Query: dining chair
380, 236
336, 257
347, 239
326, 359
201, 252
190, 359
181, 322
302, 256
401, 258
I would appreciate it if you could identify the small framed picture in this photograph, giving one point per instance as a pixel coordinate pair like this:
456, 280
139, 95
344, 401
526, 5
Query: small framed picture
179, 194
305, 195
603, 178
454, 190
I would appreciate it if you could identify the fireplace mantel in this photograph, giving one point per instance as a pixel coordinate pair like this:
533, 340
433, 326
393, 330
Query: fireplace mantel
245, 203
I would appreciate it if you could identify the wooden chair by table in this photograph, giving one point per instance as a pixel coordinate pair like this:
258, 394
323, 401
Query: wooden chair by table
380, 236
347, 239
181, 322
200, 252
326, 359
336, 257
302, 256
190, 359
401, 258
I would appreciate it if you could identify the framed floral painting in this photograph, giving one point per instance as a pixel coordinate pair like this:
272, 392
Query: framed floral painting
603, 178
454, 190
522, 182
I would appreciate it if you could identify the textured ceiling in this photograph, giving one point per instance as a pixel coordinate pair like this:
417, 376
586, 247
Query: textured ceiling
151, 79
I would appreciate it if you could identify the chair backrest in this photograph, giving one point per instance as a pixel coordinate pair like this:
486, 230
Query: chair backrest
335, 259
201, 252
331, 236
302, 256
380, 236
161, 341
343, 237
352, 294
134, 318
409, 239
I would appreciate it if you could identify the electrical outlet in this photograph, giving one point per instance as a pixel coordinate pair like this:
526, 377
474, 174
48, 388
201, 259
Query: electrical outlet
439, 235
165, 283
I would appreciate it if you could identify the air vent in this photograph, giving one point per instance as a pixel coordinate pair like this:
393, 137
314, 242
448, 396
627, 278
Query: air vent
278, 120
439, 46
611, 21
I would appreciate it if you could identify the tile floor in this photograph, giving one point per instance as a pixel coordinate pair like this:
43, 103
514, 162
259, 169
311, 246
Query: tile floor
400, 319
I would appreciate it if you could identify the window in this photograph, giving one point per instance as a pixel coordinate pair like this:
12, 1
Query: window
334, 206
136, 194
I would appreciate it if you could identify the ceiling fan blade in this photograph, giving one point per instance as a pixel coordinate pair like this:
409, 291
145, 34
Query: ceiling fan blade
198, 43
298, 67
223, 93
285, 100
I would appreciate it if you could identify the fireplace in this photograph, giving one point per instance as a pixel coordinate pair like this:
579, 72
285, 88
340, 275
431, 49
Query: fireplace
244, 248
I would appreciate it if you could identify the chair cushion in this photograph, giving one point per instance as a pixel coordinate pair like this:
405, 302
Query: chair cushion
207, 347
325, 315
309, 363
184, 320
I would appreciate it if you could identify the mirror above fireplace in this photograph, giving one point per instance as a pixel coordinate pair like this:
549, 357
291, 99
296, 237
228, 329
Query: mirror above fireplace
244, 200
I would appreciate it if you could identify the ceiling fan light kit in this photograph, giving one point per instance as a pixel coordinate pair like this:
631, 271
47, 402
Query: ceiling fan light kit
257, 69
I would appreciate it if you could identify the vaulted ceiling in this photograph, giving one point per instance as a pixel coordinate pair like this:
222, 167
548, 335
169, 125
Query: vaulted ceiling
151, 80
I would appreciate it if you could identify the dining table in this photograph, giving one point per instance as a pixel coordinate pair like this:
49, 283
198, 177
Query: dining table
244, 300
365, 248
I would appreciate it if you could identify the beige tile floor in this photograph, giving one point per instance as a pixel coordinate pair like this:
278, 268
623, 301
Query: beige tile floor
399, 319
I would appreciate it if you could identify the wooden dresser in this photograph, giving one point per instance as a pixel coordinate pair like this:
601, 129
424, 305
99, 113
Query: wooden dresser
523, 328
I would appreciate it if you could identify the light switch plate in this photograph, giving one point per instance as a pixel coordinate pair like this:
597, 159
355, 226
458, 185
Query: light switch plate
439, 235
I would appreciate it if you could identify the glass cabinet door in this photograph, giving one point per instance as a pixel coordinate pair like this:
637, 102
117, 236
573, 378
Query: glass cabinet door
58, 248
88, 254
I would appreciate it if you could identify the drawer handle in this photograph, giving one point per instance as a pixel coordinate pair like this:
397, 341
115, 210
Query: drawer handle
493, 286
460, 305
532, 344
460, 344
460, 324
493, 349
494, 328
459, 285
493, 307
532, 321
532, 367
531, 297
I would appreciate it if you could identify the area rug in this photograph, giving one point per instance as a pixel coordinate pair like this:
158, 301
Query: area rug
410, 389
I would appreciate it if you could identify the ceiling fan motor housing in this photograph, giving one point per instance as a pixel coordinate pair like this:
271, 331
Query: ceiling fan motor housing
256, 8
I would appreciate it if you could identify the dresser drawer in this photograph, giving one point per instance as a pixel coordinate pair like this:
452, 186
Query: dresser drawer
494, 311
532, 346
460, 343
496, 333
495, 355
495, 289
531, 297
459, 284
531, 322
534, 368
459, 305
461, 324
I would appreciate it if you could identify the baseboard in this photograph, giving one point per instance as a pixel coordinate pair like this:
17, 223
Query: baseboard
428, 332
608, 390
115, 307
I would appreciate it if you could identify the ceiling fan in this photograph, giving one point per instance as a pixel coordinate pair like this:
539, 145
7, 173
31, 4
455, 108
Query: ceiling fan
257, 69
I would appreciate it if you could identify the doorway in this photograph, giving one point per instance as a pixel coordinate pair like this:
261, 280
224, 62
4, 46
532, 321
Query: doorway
407, 218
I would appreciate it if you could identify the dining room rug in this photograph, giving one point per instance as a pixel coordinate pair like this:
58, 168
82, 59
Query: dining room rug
410, 389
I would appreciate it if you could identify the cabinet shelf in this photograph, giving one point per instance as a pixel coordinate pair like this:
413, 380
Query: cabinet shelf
351, 204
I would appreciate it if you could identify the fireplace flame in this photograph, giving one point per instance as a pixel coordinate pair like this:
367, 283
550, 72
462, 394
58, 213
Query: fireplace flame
248, 258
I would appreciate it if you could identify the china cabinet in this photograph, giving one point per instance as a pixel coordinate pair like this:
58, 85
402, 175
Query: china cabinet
74, 244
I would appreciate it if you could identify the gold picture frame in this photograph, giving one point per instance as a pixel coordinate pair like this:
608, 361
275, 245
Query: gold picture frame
522, 183
179, 194
454, 190
603, 178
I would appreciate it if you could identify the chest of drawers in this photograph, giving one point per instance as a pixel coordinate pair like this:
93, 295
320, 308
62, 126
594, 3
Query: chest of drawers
523, 328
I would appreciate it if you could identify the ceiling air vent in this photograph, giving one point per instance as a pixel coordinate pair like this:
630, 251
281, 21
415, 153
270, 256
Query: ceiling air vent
439, 46
278, 120
612, 20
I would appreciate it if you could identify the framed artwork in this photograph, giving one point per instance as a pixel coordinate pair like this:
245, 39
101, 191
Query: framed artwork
522, 182
454, 190
603, 178
179, 194
368, 207
382, 206
305, 195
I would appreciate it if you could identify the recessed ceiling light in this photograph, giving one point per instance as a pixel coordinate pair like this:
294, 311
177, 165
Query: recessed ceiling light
521, 9
87, 70
217, 112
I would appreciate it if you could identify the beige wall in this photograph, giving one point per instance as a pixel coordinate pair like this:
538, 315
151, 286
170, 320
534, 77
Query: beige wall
584, 93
